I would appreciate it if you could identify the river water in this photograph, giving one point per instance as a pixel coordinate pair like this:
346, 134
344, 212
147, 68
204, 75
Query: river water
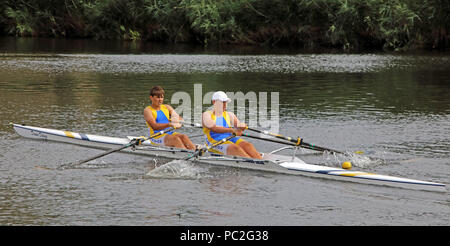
394, 107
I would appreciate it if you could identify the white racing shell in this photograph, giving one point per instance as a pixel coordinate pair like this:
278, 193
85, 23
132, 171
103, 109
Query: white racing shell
271, 162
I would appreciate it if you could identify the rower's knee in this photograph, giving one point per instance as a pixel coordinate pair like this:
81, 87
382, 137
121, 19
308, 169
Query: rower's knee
234, 149
250, 150
186, 141
245, 144
174, 141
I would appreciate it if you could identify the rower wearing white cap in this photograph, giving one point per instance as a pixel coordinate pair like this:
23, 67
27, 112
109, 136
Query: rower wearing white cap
219, 124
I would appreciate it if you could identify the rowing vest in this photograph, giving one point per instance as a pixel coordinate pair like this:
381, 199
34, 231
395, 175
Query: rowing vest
223, 121
160, 116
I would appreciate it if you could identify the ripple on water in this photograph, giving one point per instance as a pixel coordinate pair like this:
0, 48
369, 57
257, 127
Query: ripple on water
170, 63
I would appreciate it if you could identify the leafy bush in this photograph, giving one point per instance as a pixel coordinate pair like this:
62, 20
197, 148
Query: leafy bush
343, 24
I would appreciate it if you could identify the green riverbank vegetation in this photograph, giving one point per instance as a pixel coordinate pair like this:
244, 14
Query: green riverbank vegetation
309, 24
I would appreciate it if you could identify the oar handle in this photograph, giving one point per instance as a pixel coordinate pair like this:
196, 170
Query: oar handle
191, 124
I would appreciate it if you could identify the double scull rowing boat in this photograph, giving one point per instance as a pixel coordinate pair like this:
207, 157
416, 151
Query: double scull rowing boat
271, 162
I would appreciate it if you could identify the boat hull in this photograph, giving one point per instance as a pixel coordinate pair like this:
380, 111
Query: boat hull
271, 162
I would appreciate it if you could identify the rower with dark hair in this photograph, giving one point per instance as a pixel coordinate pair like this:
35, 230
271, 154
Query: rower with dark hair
159, 117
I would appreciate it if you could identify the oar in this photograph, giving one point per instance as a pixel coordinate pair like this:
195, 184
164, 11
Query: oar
133, 142
196, 125
294, 141
267, 139
207, 148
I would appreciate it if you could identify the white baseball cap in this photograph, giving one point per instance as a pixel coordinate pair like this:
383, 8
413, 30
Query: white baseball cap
221, 96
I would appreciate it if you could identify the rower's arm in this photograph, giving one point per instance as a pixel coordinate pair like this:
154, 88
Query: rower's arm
210, 124
236, 123
152, 121
174, 116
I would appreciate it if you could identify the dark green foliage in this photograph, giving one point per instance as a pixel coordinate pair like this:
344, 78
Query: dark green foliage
343, 24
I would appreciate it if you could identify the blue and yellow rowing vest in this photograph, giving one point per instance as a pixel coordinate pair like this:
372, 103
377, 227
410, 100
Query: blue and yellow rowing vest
224, 121
160, 116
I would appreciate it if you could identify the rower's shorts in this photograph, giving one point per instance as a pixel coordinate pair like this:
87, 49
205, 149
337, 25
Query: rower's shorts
222, 148
159, 141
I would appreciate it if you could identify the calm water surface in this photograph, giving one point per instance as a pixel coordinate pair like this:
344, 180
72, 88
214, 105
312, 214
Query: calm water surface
395, 108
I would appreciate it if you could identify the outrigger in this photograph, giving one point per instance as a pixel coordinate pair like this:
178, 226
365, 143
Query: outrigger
271, 162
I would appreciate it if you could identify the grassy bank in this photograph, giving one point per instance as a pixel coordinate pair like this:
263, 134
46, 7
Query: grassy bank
342, 24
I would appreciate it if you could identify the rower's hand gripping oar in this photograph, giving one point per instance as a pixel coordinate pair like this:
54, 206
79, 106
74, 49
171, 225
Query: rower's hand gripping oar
133, 142
207, 148
295, 141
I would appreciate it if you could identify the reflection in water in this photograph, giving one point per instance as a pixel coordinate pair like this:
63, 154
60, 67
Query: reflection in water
87, 98
230, 183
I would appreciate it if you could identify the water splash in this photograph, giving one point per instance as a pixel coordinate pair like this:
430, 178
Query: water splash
363, 161
357, 160
176, 169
